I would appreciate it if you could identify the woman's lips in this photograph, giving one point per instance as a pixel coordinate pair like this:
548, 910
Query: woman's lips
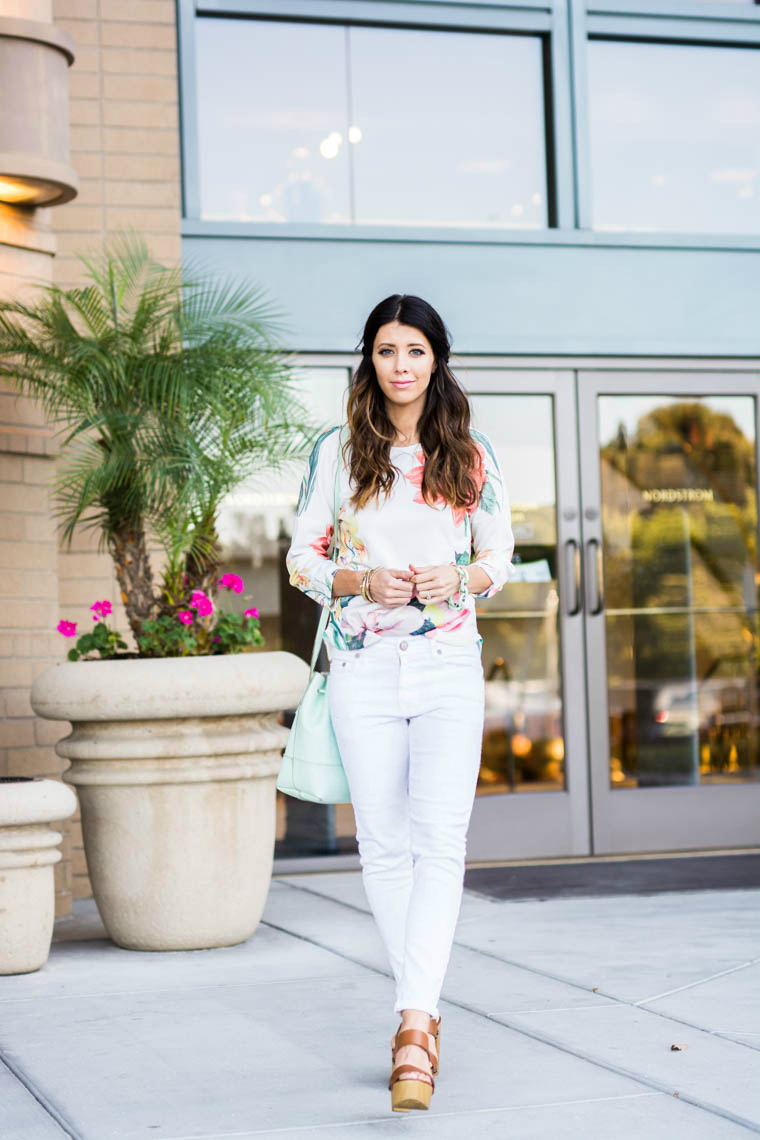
401, 383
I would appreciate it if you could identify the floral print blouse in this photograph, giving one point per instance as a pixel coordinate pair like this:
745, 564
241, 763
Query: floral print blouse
392, 532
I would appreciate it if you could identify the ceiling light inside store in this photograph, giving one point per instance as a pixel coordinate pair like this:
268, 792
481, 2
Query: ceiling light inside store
330, 146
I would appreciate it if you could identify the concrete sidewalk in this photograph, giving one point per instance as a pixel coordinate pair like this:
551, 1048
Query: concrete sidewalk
558, 1022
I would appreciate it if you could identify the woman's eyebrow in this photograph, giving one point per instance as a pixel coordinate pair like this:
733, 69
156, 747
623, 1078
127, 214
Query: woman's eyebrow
409, 344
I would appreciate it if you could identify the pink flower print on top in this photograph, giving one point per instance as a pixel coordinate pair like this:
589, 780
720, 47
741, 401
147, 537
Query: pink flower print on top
416, 474
322, 545
448, 626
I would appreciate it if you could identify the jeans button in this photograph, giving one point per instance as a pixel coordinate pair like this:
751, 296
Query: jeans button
404, 645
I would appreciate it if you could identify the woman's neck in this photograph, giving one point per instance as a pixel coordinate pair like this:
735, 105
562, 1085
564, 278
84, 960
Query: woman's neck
406, 430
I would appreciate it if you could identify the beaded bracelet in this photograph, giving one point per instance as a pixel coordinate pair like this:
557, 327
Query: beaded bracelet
464, 584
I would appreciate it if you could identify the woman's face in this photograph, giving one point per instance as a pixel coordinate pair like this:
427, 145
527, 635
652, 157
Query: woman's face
404, 362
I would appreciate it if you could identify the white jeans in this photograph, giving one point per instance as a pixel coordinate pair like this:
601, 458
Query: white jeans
408, 717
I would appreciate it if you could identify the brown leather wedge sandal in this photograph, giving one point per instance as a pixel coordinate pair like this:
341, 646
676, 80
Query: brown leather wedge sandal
435, 1033
408, 1092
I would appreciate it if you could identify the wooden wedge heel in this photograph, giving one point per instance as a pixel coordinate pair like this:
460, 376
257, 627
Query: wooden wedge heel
411, 1092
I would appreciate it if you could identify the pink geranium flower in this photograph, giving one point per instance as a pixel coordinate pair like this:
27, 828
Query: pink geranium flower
231, 582
253, 612
185, 616
67, 628
201, 602
101, 609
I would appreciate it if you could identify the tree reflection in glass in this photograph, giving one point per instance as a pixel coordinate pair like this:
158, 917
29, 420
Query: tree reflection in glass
679, 517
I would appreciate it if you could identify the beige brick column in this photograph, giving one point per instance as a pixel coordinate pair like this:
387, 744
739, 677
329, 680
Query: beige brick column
124, 137
124, 116
28, 546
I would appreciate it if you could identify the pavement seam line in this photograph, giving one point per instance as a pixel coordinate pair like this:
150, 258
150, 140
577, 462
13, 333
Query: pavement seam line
384, 1119
700, 981
329, 949
650, 1082
545, 973
174, 989
547, 1039
620, 1001
45, 1104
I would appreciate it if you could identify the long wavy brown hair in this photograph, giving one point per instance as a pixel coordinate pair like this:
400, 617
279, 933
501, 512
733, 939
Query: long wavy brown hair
443, 429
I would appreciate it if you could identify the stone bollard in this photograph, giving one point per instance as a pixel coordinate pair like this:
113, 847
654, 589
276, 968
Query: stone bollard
28, 851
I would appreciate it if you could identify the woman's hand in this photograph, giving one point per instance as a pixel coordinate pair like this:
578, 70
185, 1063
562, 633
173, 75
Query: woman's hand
391, 587
434, 584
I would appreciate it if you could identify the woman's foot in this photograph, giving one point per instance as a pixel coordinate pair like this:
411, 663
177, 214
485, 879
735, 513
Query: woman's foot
415, 1054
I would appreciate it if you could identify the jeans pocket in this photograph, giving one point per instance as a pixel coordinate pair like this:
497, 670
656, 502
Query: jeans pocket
344, 661
460, 654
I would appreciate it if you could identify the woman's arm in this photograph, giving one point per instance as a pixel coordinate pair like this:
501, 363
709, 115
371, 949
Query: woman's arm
492, 536
347, 582
310, 568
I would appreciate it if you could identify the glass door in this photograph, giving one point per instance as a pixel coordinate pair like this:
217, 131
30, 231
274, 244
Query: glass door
670, 559
532, 795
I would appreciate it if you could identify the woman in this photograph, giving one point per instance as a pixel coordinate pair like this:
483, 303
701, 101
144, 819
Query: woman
419, 490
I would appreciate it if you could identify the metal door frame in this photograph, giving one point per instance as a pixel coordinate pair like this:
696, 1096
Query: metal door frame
546, 824
627, 820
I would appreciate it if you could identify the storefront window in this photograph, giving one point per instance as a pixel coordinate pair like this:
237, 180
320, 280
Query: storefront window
524, 737
256, 520
679, 513
675, 137
323, 123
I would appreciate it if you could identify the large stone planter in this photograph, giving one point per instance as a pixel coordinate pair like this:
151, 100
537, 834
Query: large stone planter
28, 852
175, 762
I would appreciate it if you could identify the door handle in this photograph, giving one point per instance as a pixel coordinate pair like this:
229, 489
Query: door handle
572, 583
594, 579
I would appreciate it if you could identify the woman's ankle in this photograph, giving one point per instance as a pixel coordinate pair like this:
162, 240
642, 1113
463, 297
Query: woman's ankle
418, 1018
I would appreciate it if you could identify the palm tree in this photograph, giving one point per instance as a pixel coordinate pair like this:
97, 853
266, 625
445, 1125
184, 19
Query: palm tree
173, 389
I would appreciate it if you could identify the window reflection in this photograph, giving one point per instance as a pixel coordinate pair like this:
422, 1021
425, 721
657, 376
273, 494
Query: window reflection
452, 128
675, 137
309, 122
679, 515
255, 526
523, 741
271, 121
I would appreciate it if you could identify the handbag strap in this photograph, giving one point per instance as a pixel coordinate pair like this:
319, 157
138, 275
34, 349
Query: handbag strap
323, 617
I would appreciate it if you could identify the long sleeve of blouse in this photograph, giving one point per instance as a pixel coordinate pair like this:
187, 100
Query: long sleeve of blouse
399, 530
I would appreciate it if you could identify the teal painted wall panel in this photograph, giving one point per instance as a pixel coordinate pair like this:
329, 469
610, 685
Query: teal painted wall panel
509, 298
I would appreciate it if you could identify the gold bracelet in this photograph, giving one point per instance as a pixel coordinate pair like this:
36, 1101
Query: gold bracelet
369, 583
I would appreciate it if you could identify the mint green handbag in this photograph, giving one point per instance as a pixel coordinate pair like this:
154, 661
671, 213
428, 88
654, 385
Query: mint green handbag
311, 765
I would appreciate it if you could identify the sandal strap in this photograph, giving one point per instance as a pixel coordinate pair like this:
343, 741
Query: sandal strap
414, 1037
396, 1075
435, 1026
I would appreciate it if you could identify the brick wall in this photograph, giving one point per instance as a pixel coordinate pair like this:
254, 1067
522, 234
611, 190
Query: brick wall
124, 135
